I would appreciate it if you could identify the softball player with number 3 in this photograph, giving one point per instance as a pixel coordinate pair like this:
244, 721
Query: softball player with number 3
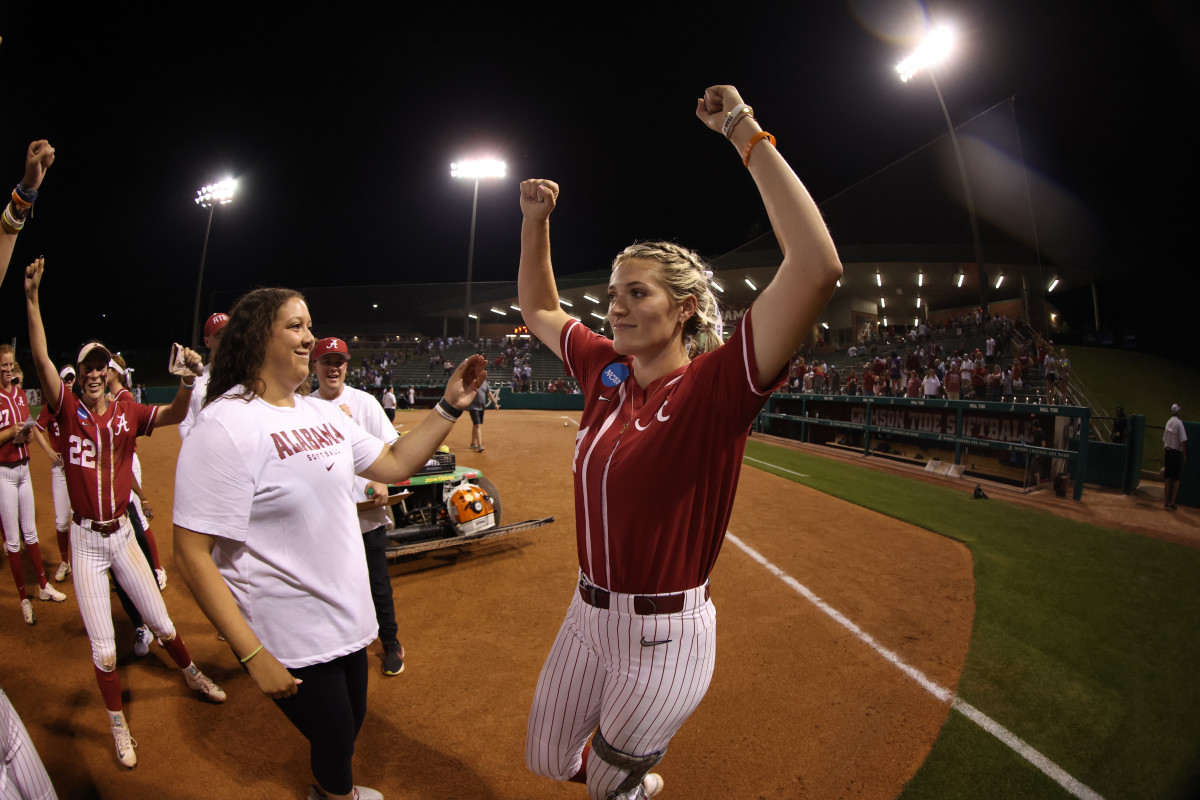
99, 436
664, 396
16, 487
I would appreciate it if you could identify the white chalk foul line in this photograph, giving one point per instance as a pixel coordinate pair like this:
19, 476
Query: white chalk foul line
1019, 746
776, 466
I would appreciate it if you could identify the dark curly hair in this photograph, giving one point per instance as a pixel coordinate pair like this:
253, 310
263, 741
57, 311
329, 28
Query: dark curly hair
243, 349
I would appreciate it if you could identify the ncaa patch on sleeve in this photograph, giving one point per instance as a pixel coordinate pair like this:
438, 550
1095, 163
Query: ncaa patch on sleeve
614, 374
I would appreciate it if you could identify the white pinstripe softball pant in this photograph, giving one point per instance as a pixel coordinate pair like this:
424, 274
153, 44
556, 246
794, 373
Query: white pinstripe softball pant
62, 501
92, 555
16, 506
599, 672
22, 775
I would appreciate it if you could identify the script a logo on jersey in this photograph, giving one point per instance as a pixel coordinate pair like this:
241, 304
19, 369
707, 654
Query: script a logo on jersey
305, 439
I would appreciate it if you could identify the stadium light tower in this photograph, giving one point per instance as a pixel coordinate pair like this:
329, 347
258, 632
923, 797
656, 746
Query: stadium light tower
474, 170
937, 46
211, 196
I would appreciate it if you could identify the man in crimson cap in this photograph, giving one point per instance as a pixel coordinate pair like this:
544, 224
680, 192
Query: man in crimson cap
330, 357
212, 340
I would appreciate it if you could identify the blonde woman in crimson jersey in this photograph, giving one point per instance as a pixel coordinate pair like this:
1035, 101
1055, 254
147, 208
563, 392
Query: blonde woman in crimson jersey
99, 438
664, 396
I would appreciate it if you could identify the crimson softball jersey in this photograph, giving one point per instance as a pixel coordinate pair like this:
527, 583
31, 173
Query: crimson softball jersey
656, 469
98, 453
13, 411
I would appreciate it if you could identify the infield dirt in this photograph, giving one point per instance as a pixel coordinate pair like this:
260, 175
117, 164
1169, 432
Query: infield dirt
799, 707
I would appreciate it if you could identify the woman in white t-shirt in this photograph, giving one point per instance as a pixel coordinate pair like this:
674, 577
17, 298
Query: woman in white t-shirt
266, 533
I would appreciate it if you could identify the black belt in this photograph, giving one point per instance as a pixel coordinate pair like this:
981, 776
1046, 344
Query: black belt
102, 528
642, 604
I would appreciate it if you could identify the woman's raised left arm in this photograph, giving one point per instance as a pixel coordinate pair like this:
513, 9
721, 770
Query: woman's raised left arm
789, 305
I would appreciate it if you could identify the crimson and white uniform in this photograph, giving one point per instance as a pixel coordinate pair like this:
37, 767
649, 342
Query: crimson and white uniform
16, 487
22, 775
98, 464
48, 425
655, 476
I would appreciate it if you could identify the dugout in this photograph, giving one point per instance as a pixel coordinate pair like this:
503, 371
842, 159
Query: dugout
953, 437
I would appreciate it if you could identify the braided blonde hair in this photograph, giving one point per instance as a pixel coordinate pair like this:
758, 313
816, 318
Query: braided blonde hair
684, 274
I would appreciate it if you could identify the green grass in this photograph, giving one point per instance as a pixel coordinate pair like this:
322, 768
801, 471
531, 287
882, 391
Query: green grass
1083, 643
1141, 384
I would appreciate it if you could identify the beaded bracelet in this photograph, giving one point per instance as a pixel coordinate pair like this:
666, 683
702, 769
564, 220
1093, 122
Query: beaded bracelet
253, 653
735, 116
448, 412
755, 139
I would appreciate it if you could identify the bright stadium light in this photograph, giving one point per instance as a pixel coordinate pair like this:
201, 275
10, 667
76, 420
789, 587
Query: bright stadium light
566, 302
961, 277
882, 302
920, 278
918, 301
936, 47
211, 196
1051, 289
495, 310
750, 283
1000, 280
589, 297
934, 50
598, 316
474, 170
514, 307
718, 287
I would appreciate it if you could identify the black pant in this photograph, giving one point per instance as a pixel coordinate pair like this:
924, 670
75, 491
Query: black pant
329, 708
376, 543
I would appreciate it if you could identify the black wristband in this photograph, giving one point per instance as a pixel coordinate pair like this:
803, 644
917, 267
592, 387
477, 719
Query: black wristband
449, 409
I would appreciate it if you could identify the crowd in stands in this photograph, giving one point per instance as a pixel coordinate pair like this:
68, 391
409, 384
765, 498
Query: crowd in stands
990, 360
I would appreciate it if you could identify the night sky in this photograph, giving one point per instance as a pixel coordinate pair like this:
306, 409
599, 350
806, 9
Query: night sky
340, 122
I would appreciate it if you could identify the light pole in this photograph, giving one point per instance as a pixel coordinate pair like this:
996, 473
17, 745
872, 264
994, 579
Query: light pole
474, 170
934, 50
211, 196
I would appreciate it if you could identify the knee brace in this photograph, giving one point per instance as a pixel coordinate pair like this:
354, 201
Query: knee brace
104, 656
638, 766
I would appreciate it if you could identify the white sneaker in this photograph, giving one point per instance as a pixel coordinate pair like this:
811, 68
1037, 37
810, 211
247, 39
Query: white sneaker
64, 569
358, 793
48, 592
160, 575
27, 611
202, 683
125, 744
652, 784
141, 641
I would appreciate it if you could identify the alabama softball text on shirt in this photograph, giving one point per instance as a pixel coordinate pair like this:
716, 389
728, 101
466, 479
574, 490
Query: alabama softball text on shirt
656, 469
313, 442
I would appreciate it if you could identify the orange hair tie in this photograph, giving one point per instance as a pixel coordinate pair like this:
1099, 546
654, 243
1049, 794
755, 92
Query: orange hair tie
755, 139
